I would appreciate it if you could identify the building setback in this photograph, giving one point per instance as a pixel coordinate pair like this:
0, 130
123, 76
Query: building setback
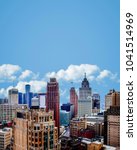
53, 100
85, 99
74, 100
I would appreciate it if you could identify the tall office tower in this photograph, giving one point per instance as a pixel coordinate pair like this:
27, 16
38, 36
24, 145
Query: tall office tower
95, 103
112, 126
34, 129
112, 99
74, 100
85, 99
27, 95
13, 96
53, 101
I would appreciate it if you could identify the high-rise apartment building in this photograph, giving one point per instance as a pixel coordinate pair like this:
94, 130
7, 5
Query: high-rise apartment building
74, 100
85, 99
53, 100
13, 96
112, 99
34, 129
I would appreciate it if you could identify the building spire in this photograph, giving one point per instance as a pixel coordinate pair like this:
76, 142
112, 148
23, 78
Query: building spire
85, 74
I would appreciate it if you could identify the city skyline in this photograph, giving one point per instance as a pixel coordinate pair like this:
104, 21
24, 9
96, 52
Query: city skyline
62, 40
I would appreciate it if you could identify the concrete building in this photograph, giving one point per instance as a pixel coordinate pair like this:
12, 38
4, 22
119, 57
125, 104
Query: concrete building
34, 129
5, 138
85, 99
76, 125
112, 99
53, 100
112, 126
13, 96
74, 100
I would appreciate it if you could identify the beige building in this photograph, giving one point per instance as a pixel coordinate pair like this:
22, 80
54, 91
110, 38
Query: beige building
76, 125
34, 130
5, 138
112, 99
13, 96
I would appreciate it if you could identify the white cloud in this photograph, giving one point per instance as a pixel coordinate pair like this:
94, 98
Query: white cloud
28, 74
74, 72
8, 72
106, 74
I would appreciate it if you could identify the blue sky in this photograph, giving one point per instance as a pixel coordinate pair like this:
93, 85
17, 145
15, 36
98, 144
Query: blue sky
45, 37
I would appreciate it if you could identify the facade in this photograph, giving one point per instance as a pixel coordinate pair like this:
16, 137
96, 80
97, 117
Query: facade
95, 103
112, 126
5, 138
13, 96
76, 125
85, 99
34, 129
74, 100
69, 108
53, 100
112, 99
64, 118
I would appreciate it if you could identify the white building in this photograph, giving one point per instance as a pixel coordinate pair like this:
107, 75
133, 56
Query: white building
13, 96
85, 99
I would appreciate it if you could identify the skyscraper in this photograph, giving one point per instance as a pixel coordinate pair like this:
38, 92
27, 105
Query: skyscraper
53, 101
112, 99
27, 95
85, 99
74, 100
13, 96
